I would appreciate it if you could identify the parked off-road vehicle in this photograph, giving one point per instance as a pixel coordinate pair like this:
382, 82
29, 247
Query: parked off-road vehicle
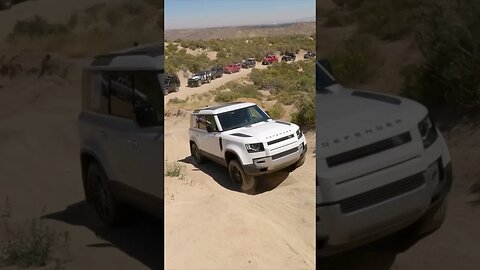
383, 168
269, 59
310, 55
232, 68
242, 137
199, 78
217, 72
172, 84
249, 63
289, 57
121, 132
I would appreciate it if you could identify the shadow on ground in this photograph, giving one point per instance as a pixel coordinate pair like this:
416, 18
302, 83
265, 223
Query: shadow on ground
141, 239
379, 255
220, 174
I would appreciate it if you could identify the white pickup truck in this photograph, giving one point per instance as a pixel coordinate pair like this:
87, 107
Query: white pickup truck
382, 167
242, 137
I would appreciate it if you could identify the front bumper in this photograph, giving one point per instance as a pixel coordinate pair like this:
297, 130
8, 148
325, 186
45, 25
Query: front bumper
269, 164
396, 214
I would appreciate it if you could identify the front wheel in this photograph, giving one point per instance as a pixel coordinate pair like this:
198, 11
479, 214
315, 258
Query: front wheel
247, 183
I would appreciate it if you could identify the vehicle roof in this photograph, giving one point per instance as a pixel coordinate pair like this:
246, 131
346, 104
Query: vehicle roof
225, 107
145, 57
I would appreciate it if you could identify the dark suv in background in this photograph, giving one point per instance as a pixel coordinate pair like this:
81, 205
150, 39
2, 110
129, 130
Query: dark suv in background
172, 84
216, 72
249, 63
289, 56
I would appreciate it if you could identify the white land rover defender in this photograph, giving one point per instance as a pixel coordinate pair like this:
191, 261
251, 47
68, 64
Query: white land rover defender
242, 137
382, 167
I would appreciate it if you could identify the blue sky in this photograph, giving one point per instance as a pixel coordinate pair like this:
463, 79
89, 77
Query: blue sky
216, 13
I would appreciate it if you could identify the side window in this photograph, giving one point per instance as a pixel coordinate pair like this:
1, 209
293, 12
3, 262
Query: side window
254, 113
121, 95
95, 92
201, 122
148, 92
211, 120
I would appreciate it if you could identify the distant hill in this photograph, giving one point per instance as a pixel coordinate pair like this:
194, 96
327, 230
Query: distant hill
307, 28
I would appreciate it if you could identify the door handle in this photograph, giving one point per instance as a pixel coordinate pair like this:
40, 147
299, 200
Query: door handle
134, 143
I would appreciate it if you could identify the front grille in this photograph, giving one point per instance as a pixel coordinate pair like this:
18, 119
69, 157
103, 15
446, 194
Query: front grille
382, 194
368, 150
285, 153
280, 140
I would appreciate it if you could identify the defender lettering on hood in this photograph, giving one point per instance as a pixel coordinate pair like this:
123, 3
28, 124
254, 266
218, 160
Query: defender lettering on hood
361, 133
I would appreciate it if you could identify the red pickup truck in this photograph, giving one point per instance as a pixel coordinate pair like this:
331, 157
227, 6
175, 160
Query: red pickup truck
269, 59
232, 68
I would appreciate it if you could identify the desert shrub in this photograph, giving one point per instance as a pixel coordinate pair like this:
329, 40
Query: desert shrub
338, 17
234, 90
36, 27
175, 169
304, 116
276, 111
449, 39
30, 247
356, 62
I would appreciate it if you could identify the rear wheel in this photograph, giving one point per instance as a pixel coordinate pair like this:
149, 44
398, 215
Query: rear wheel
247, 183
195, 152
177, 88
108, 208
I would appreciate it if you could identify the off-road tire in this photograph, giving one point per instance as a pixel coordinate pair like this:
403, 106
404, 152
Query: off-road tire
177, 88
109, 210
195, 152
246, 183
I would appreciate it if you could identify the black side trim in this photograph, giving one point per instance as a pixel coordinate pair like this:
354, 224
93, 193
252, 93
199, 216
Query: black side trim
377, 97
214, 158
241, 135
368, 150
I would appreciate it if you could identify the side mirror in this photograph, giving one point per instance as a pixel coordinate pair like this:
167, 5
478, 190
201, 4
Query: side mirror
327, 65
146, 115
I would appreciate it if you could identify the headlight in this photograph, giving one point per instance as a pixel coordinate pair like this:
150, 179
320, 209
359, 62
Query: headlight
254, 147
427, 131
299, 133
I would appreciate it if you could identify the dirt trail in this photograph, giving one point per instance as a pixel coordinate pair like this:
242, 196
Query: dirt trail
186, 91
212, 226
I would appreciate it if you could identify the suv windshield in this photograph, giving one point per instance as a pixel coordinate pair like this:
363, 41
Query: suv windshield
242, 117
324, 79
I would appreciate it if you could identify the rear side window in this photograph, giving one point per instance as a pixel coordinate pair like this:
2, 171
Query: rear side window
95, 92
148, 92
121, 95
